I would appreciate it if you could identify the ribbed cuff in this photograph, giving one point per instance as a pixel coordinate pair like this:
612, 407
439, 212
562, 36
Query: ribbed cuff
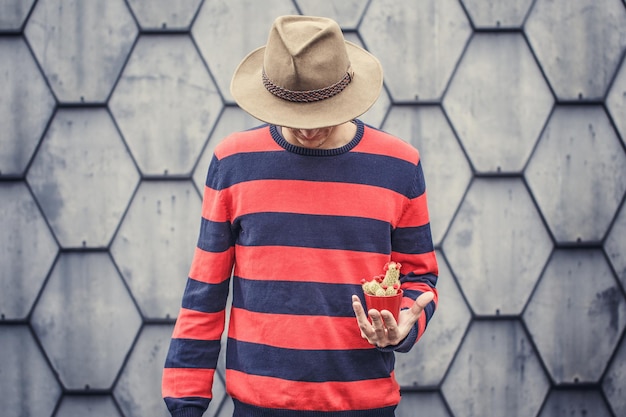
188, 412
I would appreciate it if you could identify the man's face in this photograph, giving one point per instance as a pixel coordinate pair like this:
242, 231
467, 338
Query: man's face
310, 138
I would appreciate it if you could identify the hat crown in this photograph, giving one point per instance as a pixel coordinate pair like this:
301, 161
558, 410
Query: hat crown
305, 53
307, 76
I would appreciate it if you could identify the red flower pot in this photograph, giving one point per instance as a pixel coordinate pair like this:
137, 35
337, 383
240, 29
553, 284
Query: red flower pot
390, 303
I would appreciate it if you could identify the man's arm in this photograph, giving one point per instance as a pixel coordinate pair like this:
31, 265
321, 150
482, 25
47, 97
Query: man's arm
194, 349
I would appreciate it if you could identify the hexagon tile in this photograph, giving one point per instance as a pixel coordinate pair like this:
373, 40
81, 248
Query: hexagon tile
164, 14
165, 104
616, 101
86, 320
575, 403
83, 177
428, 403
498, 102
615, 245
27, 251
87, 405
409, 38
347, 13
110, 113
579, 44
154, 246
578, 173
81, 46
497, 14
491, 373
614, 384
13, 13
577, 304
497, 246
28, 384
26, 94
140, 381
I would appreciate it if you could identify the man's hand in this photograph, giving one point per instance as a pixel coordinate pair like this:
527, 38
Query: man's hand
383, 330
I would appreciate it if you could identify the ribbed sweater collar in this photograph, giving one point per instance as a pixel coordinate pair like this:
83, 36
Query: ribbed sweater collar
280, 140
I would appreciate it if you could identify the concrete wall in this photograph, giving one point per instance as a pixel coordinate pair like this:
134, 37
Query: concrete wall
109, 111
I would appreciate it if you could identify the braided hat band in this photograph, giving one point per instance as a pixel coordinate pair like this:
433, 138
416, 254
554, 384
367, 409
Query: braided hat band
307, 96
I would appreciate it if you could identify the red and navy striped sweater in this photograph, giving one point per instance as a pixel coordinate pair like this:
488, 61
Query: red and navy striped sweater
301, 228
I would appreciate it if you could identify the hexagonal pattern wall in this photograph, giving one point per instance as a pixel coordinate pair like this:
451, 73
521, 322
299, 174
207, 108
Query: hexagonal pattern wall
111, 111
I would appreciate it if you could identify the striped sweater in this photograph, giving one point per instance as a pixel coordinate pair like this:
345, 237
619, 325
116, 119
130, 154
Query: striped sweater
297, 229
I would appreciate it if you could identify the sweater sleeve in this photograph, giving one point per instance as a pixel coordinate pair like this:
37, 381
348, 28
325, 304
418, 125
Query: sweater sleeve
192, 358
412, 246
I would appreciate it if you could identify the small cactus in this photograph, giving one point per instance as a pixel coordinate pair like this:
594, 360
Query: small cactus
384, 285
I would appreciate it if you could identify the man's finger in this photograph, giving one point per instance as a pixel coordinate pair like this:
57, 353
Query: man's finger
361, 318
358, 308
425, 299
422, 301
388, 319
377, 323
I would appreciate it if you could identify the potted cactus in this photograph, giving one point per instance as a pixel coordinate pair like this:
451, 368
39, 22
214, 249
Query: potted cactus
383, 292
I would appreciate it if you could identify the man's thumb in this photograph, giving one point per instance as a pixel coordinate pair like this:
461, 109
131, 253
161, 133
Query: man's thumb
424, 299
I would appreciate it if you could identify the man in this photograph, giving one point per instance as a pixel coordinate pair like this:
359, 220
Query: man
299, 211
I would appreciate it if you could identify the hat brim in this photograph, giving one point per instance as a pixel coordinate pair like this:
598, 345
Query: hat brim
250, 94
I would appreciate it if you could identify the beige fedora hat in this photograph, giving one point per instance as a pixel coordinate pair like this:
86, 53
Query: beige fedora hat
307, 76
